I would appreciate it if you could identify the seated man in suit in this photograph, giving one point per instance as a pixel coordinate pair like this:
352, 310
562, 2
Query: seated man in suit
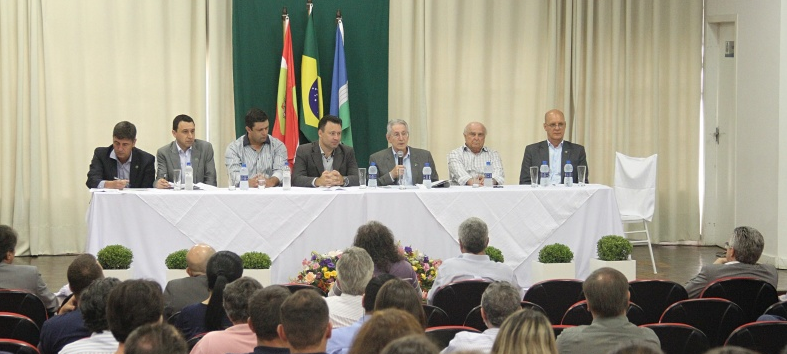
22, 277
185, 148
261, 152
465, 163
555, 151
192, 289
325, 162
412, 160
121, 165
743, 252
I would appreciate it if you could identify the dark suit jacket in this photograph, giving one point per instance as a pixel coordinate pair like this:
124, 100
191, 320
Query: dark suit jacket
103, 168
182, 292
168, 160
385, 163
538, 152
712, 272
308, 164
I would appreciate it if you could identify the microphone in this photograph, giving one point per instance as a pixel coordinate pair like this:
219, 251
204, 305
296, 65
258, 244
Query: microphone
400, 158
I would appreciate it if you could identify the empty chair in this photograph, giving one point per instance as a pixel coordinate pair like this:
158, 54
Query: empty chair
23, 303
777, 309
578, 314
680, 338
717, 318
555, 296
293, 287
753, 295
654, 296
635, 192
17, 347
532, 306
435, 316
19, 327
767, 337
475, 320
442, 335
457, 299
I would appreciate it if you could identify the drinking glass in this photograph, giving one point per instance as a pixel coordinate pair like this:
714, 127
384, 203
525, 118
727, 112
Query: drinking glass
474, 178
176, 180
362, 178
581, 173
261, 180
401, 178
231, 182
534, 176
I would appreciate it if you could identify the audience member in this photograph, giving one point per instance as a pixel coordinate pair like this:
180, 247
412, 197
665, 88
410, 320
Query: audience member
192, 289
378, 240
93, 305
466, 163
156, 338
499, 301
342, 338
384, 327
555, 151
743, 252
636, 349
239, 338
353, 272
185, 148
131, 304
265, 317
411, 344
412, 160
223, 267
305, 326
262, 153
525, 331
398, 294
60, 330
731, 349
473, 263
121, 165
23, 277
326, 162
607, 293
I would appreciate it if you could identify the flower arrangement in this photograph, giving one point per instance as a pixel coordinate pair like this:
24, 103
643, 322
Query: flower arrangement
424, 267
319, 270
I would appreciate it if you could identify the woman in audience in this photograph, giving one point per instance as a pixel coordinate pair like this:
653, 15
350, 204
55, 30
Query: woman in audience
223, 268
377, 239
525, 331
398, 294
383, 327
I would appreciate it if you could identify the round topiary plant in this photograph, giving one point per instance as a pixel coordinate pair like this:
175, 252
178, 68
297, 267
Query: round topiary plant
115, 257
613, 248
555, 253
256, 260
494, 254
177, 260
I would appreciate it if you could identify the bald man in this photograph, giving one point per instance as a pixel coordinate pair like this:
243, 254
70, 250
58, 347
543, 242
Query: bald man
467, 162
555, 151
191, 289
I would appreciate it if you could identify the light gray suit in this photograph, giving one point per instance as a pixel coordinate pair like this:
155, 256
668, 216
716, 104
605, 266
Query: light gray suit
712, 272
26, 277
385, 163
168, 159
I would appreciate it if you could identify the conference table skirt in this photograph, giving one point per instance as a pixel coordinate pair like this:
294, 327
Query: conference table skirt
289, 225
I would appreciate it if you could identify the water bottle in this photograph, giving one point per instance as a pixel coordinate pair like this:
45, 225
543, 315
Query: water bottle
568, 174
488, 182
544, 174
188, 176
427, 172
286, 179
373, 175
244, 177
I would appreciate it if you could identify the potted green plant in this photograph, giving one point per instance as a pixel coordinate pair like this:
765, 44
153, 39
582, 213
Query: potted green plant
257, 265
495, 254
615, 252
555, 261
116, 261
176, 264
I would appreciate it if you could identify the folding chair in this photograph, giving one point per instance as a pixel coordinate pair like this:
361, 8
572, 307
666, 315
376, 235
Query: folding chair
635, 192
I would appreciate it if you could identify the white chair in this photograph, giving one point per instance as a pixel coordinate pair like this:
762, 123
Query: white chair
635, 192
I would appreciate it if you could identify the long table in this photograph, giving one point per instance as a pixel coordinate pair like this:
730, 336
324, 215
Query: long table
289, 225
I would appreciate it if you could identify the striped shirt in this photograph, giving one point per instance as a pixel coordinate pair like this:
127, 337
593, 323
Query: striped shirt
462, 161
97, 343
269, 160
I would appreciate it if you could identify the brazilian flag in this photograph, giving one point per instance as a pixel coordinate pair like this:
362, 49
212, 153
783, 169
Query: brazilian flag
311, 83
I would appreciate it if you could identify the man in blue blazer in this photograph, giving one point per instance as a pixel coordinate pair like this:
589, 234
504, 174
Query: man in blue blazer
325, 162
412, 160
555, 151
121, 165
184, 149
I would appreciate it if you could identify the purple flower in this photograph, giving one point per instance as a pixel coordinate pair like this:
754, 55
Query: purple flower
426, 259
408, 249
314, 257
331, 265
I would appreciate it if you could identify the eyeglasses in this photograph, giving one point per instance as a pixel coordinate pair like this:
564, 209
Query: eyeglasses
402, 135
557, 125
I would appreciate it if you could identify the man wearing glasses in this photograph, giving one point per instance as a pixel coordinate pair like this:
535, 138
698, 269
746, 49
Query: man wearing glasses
555, 151
401, 158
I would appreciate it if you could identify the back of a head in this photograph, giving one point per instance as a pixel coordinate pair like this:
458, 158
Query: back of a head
354, 270
236, 298
500, 300
156, 338
378, 240
265, 311
637, 349
224, 267
733, 350
372, 289
8, 239
304, 318
82, 271
383, 327
525, 331
606, 291
93, 303
399, 294
131, 304
197, 258
473, 235
748, 244
411, 344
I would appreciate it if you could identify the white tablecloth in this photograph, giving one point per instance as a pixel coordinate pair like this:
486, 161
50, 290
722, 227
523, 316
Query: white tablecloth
288, 225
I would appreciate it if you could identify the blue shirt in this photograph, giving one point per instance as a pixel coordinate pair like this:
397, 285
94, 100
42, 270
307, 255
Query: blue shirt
554, 162
342, 338
408, 171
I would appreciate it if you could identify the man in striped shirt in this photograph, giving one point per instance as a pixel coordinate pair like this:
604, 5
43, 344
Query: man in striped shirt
262, 153
466, 163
